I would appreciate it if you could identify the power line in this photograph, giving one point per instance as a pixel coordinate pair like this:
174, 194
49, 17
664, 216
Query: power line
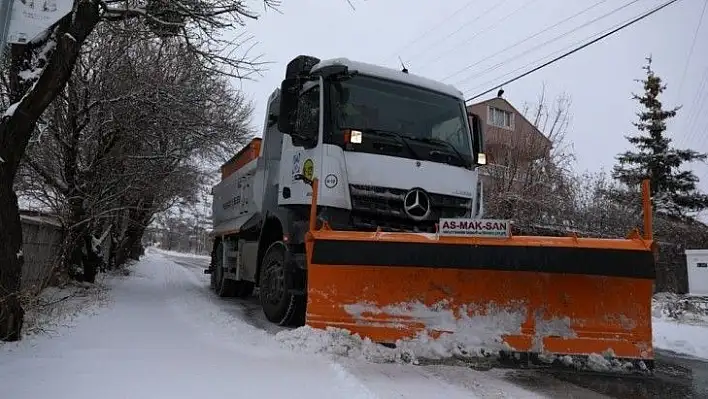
521, 68
434, 27
486, 29
554, 39
693, 44
694, 109
497, 5
645, 15
524, 40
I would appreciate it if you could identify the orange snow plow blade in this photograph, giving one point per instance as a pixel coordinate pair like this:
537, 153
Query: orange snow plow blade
527, 295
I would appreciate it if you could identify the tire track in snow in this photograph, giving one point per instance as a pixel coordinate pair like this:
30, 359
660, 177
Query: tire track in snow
221, 329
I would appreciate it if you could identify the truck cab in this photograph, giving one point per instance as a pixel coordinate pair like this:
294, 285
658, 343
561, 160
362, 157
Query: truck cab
391, 150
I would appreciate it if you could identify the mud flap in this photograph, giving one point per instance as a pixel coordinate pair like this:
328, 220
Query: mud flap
548, 296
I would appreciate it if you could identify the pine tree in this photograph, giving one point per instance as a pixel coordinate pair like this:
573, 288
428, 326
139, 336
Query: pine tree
674, 191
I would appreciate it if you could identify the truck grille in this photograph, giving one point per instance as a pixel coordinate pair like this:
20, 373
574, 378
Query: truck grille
374, 206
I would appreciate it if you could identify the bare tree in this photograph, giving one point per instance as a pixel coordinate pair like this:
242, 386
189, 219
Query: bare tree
38, 72
530, 173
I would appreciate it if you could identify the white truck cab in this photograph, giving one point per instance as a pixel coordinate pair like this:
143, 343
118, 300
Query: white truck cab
392, 149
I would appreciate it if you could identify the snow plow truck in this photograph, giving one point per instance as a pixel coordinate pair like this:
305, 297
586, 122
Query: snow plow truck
361, 208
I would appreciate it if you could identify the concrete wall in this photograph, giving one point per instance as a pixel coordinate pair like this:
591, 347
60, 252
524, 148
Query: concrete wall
41, 239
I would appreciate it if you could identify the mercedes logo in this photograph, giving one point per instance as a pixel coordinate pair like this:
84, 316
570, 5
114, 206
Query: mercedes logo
416, 203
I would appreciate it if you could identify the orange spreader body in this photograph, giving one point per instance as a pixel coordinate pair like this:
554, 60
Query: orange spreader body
576, 296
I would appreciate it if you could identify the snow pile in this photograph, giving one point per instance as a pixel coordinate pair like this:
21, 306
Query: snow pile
607, 362
680, 308
598, 362
342, 343
60, 308
479, 335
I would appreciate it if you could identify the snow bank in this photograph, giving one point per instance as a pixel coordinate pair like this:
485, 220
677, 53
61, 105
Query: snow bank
686, 339
687, 309
179, 254
680, 324
479, 335
476, 335
58, 307
56, 310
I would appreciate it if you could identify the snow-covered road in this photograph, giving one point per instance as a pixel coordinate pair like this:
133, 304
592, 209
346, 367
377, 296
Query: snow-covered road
165, 335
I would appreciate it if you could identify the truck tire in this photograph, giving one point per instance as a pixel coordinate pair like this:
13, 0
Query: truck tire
213, 266
279, 305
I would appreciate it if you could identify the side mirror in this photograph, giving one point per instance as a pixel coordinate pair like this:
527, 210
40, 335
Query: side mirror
288, 105
480, 158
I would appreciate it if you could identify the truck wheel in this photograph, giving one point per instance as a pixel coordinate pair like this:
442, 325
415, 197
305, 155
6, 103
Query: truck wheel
279, 306
223, 287
215, 262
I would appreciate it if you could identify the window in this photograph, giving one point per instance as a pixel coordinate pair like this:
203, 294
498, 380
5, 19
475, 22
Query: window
308, 115
418, 115
500, 118
452, 131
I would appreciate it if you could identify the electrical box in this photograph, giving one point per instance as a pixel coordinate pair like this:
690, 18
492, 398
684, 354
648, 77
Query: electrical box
697, 266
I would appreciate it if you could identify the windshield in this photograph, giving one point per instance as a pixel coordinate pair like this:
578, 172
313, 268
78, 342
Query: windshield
433, 123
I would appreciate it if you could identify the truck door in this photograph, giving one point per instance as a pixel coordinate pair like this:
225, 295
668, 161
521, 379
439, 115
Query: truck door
301, 158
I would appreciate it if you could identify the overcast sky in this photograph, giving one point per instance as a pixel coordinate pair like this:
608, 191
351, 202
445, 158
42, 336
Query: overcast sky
437, 39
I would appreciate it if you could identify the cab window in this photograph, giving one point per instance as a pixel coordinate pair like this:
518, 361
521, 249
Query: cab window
308, 115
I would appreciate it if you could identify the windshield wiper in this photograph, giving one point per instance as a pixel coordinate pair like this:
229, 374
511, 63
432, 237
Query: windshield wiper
403, 139
457, 153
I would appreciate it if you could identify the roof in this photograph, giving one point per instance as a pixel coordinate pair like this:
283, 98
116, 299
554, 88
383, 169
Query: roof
517, 112
393, 74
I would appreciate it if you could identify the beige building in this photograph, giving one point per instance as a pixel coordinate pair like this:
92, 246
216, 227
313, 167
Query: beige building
511, 142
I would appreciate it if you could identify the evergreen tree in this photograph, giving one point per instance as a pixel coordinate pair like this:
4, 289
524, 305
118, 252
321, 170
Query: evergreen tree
674, 191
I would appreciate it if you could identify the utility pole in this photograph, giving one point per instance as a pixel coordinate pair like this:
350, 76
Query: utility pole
5, 15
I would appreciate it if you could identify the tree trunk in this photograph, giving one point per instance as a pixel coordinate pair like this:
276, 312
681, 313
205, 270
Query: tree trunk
11, 259
136, 246
91, 259
138, 218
